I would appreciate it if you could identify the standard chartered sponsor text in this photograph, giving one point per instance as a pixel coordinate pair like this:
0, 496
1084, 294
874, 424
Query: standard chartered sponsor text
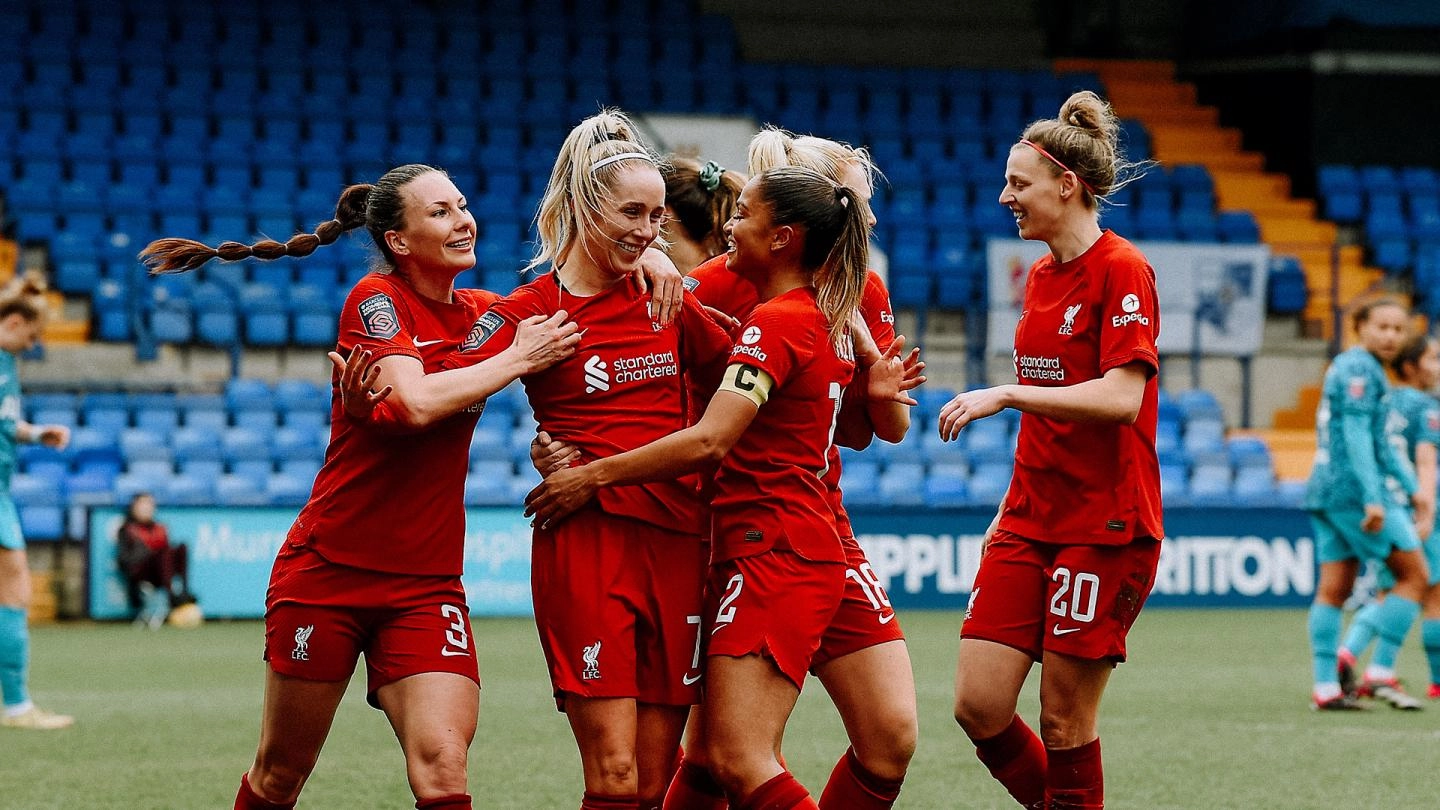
645, 367
1039, 368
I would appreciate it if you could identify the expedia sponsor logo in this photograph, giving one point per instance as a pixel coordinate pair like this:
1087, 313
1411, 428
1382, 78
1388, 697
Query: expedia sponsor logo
887, 317
1131, 304
1038, 368
749, 351
1118, 321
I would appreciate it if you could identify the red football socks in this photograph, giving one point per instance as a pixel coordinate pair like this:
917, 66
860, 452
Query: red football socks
1016, 758
455, 801
852, 787
1076, 780
783, 792
693, 788
247, 799
594, 801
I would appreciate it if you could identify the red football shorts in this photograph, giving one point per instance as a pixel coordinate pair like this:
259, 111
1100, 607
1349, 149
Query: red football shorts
777, 605
1075, 600
865, 617
618, 609
403, 625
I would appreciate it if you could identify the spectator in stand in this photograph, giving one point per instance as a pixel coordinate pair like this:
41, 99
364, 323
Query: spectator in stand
153, 566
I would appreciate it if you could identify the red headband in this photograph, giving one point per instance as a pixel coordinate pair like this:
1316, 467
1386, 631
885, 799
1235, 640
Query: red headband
1038, 148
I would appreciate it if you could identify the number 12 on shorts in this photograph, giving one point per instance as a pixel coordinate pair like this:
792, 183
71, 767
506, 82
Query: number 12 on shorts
1076, 595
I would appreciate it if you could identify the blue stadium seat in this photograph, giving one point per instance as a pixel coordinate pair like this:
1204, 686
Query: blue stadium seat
287, 490
202, 469
239, 443
989, 481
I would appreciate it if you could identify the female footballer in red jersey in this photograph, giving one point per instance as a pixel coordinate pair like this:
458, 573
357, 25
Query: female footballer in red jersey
777, 571
1071, 555
372, 564
862, 661
617, 590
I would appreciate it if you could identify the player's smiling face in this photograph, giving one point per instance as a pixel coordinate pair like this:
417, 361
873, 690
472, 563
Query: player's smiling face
630, 219
439, 230
1032, 193
749, 233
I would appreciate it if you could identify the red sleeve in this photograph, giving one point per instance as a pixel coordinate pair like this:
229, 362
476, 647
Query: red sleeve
704, 346
876, 310
494, 330
1131, 315
769, 341
376, 316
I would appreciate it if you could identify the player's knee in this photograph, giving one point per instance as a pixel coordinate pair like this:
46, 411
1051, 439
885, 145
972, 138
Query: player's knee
616, 770
440, 768
278, 782
731, 764
1061, 729
887, 754
979, 718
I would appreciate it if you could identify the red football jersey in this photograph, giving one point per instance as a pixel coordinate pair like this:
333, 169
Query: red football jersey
720, 288
385, 501
1086, 482
880, 318
624, 386
770, 491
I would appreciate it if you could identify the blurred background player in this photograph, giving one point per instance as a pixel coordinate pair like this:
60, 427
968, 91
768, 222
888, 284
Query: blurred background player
1354, 517
1070, 557
372, 564
22, 314
777, 567
1414, 430
156, 570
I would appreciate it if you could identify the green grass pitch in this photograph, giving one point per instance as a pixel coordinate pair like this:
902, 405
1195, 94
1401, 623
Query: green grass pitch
1211, 712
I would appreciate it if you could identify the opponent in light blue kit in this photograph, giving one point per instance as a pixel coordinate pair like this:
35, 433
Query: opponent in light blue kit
1354, 517
22, 307
1414, 431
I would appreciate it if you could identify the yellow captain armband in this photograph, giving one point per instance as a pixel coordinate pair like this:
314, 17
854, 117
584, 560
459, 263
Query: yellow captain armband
748, 381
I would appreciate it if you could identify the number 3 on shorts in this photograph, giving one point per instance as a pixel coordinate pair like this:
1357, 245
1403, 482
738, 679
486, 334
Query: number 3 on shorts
726, 613
457, 637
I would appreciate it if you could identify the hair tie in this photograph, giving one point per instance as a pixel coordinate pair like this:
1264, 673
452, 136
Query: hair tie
600, 164
710, 176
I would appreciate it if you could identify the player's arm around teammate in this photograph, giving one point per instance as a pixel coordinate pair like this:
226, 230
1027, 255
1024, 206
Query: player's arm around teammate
354, 578
1073, 550
793, 228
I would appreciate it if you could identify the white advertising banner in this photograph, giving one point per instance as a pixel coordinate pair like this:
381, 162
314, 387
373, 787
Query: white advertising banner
1211, 295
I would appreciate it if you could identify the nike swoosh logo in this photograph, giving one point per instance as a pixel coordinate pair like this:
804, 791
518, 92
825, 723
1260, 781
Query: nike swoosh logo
887, 619
1059, 631
689, 681
420, 344
449, 653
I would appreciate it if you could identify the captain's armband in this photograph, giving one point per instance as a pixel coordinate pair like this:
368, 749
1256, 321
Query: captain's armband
747, 381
